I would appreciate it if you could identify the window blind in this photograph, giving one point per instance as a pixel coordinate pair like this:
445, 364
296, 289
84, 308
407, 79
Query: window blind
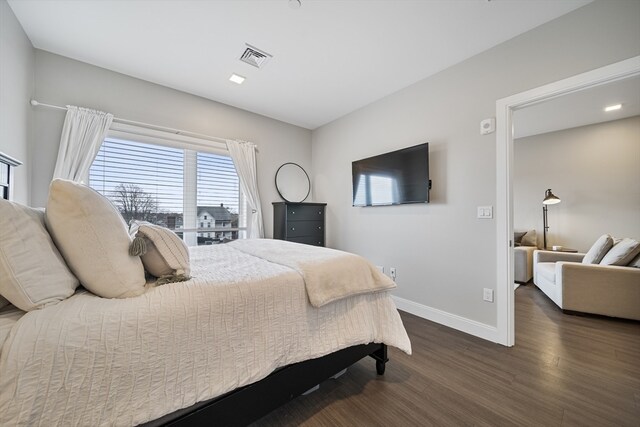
171, 187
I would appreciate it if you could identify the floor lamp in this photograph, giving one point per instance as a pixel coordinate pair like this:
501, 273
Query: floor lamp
549, 199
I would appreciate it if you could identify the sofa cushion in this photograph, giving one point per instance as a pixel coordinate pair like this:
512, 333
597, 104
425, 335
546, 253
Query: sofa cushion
32, 271
622, 253
93, 238
598, 250
547, 271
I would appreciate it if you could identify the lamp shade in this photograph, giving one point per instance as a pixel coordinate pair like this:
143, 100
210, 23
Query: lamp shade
550, 198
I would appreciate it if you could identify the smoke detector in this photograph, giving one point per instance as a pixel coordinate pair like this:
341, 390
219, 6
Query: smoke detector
254, 56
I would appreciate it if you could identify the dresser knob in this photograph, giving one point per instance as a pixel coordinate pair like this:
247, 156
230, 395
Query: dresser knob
293, 212
319, 228
293, 229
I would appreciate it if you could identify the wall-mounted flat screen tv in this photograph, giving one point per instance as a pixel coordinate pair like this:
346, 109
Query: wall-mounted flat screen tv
393, 178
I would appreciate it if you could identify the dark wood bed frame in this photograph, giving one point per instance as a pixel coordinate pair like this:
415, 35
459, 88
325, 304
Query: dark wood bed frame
248, 404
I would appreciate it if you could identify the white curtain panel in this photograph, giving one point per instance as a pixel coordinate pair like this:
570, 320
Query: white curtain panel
244, 158
82, 134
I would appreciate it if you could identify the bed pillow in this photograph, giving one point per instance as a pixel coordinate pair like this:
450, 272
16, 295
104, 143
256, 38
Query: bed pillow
598, 250
32, 271
163, 253
93, 238
622, 253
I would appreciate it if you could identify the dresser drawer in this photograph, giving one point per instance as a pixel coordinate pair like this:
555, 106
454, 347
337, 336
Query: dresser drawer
305, 213
305, 228
308, 240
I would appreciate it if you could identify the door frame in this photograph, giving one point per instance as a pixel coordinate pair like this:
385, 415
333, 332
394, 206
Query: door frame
504, 175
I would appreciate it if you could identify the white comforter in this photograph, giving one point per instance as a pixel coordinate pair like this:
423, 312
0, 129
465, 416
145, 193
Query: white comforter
94, 361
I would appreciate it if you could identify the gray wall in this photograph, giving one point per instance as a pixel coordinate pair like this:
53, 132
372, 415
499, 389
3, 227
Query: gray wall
595, 170
63, 81
444, 256
16, 89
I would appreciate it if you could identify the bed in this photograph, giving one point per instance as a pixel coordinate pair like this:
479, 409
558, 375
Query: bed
242, 326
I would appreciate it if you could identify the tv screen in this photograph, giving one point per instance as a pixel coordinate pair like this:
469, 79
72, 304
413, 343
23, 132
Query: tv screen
393, 178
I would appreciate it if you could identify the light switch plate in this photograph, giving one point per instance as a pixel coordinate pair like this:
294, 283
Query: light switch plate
485, 212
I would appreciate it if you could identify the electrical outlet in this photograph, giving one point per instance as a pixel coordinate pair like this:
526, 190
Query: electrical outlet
392, 273
488, 295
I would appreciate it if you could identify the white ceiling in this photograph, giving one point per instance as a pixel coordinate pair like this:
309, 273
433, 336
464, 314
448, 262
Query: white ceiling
329, 57
581, 108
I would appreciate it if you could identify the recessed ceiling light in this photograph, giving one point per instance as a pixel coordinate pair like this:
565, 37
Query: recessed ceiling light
236, 79
613, 107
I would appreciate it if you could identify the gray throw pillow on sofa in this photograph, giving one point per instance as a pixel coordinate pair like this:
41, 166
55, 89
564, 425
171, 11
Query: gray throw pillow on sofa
598, 250
622, 253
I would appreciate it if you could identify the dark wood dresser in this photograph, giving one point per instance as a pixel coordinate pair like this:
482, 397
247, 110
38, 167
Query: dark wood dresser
299, 222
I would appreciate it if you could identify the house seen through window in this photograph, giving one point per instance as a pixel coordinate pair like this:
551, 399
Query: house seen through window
194, 193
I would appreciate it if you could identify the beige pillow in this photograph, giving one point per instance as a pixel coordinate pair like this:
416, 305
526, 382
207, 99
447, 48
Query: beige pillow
92, 237
529, 239
622, 253
32, 272
598, 250
165, 255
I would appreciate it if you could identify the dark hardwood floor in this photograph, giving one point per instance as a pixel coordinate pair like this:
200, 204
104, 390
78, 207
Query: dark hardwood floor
565, 370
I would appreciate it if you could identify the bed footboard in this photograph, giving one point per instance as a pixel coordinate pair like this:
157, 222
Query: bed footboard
247, 404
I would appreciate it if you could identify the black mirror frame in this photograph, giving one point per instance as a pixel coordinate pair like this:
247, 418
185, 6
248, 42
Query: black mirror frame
308, 180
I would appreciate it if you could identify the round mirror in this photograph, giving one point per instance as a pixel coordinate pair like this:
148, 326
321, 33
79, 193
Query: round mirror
293, 183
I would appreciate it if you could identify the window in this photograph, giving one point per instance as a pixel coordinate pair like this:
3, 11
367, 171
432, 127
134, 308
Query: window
172, 187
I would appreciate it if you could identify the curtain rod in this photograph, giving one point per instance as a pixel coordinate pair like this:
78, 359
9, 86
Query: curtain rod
142, 124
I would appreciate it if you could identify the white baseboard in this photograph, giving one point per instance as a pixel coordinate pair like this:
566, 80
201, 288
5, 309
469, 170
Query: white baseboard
480, 330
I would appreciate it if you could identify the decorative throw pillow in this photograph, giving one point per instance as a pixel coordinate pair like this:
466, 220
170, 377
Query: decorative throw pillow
622, 253
32, 271
598, 250
163, 253
92, 237
635, 262
517, 237
529, 239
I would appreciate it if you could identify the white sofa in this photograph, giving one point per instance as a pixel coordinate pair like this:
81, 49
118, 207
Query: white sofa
523, 263
589, 288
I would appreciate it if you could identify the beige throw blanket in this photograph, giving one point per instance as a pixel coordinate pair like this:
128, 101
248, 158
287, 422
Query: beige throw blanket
329, 275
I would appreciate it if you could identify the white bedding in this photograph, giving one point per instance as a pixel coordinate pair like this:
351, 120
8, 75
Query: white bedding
9, 315
94, 361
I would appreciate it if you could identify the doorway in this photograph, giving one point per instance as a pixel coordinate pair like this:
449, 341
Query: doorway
505, 109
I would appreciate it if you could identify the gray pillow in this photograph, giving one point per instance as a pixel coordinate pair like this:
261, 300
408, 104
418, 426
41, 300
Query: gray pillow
517, 237
598, 250
635, 262
622, 253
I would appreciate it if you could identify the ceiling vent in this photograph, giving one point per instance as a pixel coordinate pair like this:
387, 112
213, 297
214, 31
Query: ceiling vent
254, 56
